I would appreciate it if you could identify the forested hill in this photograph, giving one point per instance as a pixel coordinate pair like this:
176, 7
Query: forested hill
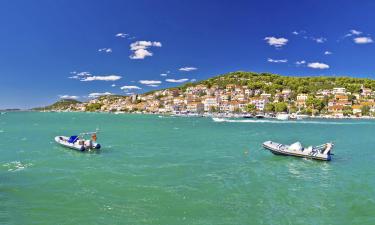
59, 105
270, 83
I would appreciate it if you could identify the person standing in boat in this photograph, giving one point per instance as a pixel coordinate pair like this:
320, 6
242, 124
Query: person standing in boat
93, 137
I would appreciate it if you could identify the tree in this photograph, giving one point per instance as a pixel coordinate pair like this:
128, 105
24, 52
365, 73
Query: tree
269, 107
93, 107
213, 109
281, 107
250, 108
365, 110
347, 110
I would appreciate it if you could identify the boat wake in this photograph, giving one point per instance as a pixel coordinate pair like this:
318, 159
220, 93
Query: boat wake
223, 120
16, 166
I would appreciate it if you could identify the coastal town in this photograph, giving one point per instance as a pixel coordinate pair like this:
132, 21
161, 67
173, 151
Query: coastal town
234, 99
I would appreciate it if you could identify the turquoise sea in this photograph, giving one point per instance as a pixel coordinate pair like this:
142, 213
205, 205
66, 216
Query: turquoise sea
168, 170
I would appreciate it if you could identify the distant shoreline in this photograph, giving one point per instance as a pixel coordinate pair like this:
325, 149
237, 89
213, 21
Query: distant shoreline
208, 115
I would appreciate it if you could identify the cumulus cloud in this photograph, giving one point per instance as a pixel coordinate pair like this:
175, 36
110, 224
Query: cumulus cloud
122, 35
102, 78
140, 49
96, 94
299, 63
106, 50
327, 53
363, 40
277, 60
163, 74
277, 42
130, 88
177, 80
68, 97
187, 68
317, 65
150, 82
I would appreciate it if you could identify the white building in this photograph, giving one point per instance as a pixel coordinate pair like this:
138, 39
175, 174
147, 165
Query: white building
339, 91
209, 103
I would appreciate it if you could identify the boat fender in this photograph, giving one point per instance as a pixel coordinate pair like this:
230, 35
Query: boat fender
82, 148
97, 146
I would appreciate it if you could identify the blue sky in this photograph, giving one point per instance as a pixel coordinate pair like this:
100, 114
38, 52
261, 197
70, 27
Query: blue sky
104, 46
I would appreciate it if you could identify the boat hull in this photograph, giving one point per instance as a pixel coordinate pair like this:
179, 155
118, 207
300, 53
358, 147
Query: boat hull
61, 140
277, 151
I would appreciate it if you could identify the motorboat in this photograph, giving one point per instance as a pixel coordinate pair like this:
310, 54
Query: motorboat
217, 119
259, 116
78, 142
320, 152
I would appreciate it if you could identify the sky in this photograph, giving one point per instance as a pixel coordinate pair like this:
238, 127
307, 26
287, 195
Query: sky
83, 49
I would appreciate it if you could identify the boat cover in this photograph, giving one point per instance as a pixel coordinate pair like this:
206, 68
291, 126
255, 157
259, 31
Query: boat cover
73, 139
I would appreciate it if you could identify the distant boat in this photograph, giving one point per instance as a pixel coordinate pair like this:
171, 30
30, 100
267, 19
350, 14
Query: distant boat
77, 142
321, 152
215, 119
259, 116
247, 116
282, 116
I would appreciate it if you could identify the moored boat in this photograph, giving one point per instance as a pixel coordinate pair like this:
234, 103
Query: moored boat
320, 152
282, 116
77, 142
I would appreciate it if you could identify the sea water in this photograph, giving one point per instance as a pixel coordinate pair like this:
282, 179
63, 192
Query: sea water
173, 170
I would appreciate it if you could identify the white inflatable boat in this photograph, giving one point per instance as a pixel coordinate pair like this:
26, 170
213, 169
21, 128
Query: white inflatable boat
77, 142
320, 152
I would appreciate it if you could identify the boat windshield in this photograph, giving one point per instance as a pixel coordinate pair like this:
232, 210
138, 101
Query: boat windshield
296, 146
73, 139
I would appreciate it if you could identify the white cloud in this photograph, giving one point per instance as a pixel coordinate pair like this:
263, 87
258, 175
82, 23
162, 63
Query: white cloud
187, 68
363, 40
327, 53
295, 32
317, 65
140, 49
102, 78
277, 42
106, 50
277, 60
163, 74
353, 32
153, 85
177, 81
319, 40
122, 35
113, 85
82, 74
150, 82
79, 75
193, 80
130, 88
95, 95
302, 62
68, 97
